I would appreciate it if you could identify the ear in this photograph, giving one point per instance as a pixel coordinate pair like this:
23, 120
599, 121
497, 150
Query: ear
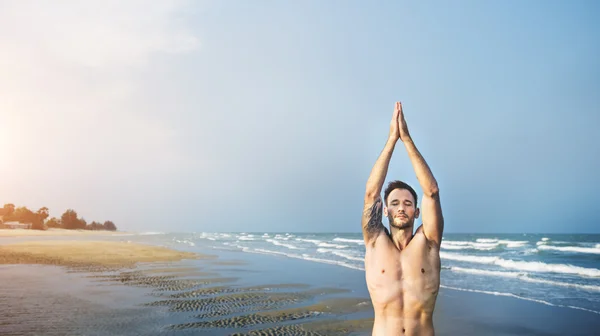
417, 213
385, 212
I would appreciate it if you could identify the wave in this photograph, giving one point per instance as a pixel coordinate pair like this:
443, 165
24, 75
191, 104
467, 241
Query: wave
517, 297
524, 277
345, 240
486, 240
456, 242
513, 243
185, 241
340, 254
487, 272
151, 233
314, 241
570, 249
332, 245
532, 266
306, 257
291, 247
246, 238
462, 245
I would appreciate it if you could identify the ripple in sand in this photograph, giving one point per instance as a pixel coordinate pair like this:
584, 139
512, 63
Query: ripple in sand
331, 306
227, 290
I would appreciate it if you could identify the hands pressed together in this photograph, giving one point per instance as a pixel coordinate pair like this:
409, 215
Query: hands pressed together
398, 127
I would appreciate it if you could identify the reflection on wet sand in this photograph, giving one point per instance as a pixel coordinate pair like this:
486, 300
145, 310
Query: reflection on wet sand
180, 297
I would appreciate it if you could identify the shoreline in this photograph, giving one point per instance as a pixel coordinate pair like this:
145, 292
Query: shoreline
184, 289
72, 253
53, 232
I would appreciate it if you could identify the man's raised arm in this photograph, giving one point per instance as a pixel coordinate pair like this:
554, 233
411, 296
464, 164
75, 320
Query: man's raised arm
431, 210
372, 224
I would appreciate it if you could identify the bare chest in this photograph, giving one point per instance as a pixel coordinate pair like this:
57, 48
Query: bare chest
404, 280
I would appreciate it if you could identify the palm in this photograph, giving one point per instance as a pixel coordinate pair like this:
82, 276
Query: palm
402, 127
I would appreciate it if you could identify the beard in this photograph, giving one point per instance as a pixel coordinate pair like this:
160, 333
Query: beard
401, 224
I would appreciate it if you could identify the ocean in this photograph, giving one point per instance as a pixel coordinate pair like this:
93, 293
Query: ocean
552, 269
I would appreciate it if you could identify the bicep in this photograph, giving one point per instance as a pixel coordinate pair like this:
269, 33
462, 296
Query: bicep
433, 220
372, 224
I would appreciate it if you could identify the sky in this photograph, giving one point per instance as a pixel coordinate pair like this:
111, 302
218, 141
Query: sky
267, 116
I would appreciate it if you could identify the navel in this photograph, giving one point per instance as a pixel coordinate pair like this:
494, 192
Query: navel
403, 330
382, 271
422, 270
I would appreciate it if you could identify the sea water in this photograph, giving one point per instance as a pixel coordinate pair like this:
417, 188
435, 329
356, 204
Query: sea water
553, 269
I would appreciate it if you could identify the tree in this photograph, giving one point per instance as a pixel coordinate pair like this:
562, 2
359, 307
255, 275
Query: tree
43, 213
110, 226
95, 226
69, 220
53, 223
23, 215
9, 208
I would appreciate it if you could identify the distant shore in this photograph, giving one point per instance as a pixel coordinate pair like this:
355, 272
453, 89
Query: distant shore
57, 232
88, 253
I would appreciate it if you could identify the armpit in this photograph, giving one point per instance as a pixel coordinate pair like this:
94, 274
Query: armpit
372, 219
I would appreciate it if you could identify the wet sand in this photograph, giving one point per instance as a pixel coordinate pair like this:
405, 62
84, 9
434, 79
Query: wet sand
109, 288
121, 288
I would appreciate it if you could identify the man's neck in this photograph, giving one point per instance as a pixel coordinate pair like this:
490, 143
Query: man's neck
401, 237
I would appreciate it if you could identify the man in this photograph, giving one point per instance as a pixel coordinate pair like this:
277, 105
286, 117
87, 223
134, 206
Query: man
402, 269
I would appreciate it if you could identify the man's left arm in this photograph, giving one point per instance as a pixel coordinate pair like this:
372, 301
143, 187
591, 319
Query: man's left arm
431, 209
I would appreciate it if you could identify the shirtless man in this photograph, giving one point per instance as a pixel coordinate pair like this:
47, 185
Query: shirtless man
402, 269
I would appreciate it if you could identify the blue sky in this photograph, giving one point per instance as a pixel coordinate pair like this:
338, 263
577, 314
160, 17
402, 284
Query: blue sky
268, 116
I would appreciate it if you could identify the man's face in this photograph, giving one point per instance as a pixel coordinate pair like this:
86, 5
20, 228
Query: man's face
400, 209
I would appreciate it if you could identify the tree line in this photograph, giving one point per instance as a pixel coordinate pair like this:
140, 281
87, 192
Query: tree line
69, 219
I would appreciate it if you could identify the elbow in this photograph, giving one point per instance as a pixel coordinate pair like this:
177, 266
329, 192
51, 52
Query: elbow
433, 191
371, 194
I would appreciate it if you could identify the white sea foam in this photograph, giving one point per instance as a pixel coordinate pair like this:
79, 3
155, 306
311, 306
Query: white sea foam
457, 242
486, 240
332, 245
245, 238
275, 242
463, 245
151, 233
455, 247
517, 297
314, 241
487, 272
532, 266
545, 239
185, 241
524, 277
307, 257
345, 240
513, 243
577, 249
340, 254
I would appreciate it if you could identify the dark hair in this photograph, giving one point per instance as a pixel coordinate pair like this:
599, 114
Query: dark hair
398, 185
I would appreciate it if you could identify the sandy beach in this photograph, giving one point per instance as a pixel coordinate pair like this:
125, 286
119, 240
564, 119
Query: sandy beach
59, 233
176, 292
130, 285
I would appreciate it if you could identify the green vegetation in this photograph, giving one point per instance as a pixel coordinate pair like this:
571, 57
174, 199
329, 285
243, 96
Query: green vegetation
69, 219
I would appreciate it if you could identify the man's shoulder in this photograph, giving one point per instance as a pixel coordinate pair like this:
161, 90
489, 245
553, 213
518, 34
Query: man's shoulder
419, 238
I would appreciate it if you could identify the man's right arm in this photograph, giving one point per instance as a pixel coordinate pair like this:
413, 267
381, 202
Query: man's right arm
372, 224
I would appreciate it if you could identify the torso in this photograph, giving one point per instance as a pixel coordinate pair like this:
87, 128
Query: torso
403, 285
